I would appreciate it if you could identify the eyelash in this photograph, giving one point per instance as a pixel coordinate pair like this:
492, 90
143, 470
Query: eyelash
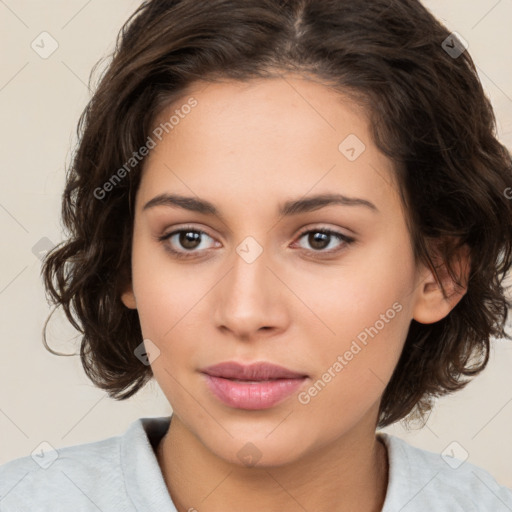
184, 255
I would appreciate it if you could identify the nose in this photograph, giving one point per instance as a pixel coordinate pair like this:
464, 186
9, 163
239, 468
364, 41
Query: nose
251, 298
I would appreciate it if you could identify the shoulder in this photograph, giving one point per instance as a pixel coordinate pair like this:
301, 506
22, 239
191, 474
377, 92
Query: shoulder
68, 478
420, 480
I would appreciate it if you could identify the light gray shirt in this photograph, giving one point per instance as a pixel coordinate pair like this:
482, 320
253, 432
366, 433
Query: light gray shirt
121, 474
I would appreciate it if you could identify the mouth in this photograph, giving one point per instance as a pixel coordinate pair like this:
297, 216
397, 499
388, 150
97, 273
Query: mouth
261, 371
256, 386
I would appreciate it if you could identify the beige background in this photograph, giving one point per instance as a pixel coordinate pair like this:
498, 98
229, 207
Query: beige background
48, 398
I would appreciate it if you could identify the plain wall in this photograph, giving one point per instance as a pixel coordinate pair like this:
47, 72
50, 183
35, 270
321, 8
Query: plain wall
44, 397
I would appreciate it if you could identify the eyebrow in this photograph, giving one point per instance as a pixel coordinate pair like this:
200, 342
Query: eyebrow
293, 207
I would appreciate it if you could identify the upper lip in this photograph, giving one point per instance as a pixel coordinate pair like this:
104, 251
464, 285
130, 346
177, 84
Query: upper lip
255, 371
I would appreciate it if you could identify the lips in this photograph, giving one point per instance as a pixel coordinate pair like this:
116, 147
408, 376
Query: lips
255, 386
261, 371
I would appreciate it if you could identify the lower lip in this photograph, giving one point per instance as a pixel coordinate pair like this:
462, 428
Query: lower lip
252, 394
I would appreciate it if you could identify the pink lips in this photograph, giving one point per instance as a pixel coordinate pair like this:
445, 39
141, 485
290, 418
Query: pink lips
256, 386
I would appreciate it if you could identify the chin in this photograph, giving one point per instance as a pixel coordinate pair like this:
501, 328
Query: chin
256, 448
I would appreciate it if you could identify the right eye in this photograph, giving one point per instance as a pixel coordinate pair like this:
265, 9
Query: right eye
188, 238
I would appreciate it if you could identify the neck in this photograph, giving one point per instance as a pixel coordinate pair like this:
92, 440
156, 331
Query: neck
351, 473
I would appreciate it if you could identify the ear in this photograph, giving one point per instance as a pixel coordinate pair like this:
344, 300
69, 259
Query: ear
128, 298
431, 304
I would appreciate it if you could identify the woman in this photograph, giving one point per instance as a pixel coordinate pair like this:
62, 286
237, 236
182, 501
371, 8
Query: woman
293, 215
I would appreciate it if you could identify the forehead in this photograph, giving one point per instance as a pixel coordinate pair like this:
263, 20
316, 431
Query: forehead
261, 140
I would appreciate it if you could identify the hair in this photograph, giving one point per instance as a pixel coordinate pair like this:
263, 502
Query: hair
427, 111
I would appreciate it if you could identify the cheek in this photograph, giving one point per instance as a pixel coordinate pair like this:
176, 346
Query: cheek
365, 312
356, 363
168, 303
165, 291
172, 307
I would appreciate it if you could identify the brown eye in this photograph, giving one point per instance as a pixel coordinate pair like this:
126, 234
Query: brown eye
185, 242
320, 239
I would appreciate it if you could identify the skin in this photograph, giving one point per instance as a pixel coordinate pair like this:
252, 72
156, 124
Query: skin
248, 147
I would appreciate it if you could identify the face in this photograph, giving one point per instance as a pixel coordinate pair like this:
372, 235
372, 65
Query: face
328, 292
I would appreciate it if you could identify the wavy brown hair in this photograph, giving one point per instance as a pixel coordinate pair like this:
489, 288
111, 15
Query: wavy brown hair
428, 113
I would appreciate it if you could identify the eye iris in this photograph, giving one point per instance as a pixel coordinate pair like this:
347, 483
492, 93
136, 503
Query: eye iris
189, 239
317, 236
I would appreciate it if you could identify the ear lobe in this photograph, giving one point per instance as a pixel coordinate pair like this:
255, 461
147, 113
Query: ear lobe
128, 298
432, 304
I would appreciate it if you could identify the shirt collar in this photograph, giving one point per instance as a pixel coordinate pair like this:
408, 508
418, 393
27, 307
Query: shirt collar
145, 484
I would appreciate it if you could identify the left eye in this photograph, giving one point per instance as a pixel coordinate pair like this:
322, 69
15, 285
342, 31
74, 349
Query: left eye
317, 238
190, 239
